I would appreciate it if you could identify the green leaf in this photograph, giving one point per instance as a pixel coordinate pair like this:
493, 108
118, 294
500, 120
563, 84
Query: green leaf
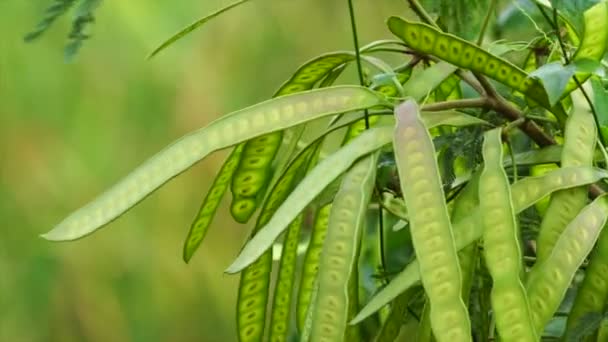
269, 116
600, 101
554, 78
573, 11
57, 9
585, 327
188, 29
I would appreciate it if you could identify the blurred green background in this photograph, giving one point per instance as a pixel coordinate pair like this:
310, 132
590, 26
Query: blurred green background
68, 131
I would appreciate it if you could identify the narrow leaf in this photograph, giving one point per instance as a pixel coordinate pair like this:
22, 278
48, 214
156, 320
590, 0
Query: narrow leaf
185, 31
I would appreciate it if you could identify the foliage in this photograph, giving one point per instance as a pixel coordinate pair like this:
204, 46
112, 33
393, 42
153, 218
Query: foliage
429, 135
83, 18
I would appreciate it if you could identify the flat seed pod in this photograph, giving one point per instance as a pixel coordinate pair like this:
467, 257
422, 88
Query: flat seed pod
466, 202
253, 287
243, 125
547, 284
580, 139
501, 246
254, 172
205, 215
592, 294
310, 265
314, 183
464, 54
340, 251
524, 193
281, 306
430, 225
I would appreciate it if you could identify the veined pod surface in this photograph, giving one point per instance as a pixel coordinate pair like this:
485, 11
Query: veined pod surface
243, 125
253, 173
592, 294
314, 183
464, 204
310, 266
501, 242
430, 225
548, 283
205, 215
255, 279
578, 150
524, 193
340, 251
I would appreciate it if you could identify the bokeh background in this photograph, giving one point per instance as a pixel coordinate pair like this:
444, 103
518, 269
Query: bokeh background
68, 131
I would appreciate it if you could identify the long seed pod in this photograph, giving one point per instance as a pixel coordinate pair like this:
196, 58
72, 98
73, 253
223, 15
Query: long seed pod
548, 283
448, 47
310, 266
501, 246
253, 173
274, 115
430, 225
524, 193
281, 305
205, 215
579, 148
340, 251
255, 279
321, 177
592, 294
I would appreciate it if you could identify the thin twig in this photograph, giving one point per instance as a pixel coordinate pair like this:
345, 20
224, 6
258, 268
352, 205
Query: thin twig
353, 26
421, 13
486, 21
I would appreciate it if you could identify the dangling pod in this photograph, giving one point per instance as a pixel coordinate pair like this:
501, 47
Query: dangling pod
501, 246
430, 225
338, 261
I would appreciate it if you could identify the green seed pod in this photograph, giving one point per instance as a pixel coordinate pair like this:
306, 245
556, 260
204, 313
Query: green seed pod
340, 251
592, 294
547, 283
279, 319
205, 215
253, 287
310, 265
579, 148
254, 171
430, 225
464, 204
501, 242
232, 129
524, 194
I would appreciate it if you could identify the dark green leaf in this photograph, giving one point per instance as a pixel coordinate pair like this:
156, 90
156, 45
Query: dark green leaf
573, 11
